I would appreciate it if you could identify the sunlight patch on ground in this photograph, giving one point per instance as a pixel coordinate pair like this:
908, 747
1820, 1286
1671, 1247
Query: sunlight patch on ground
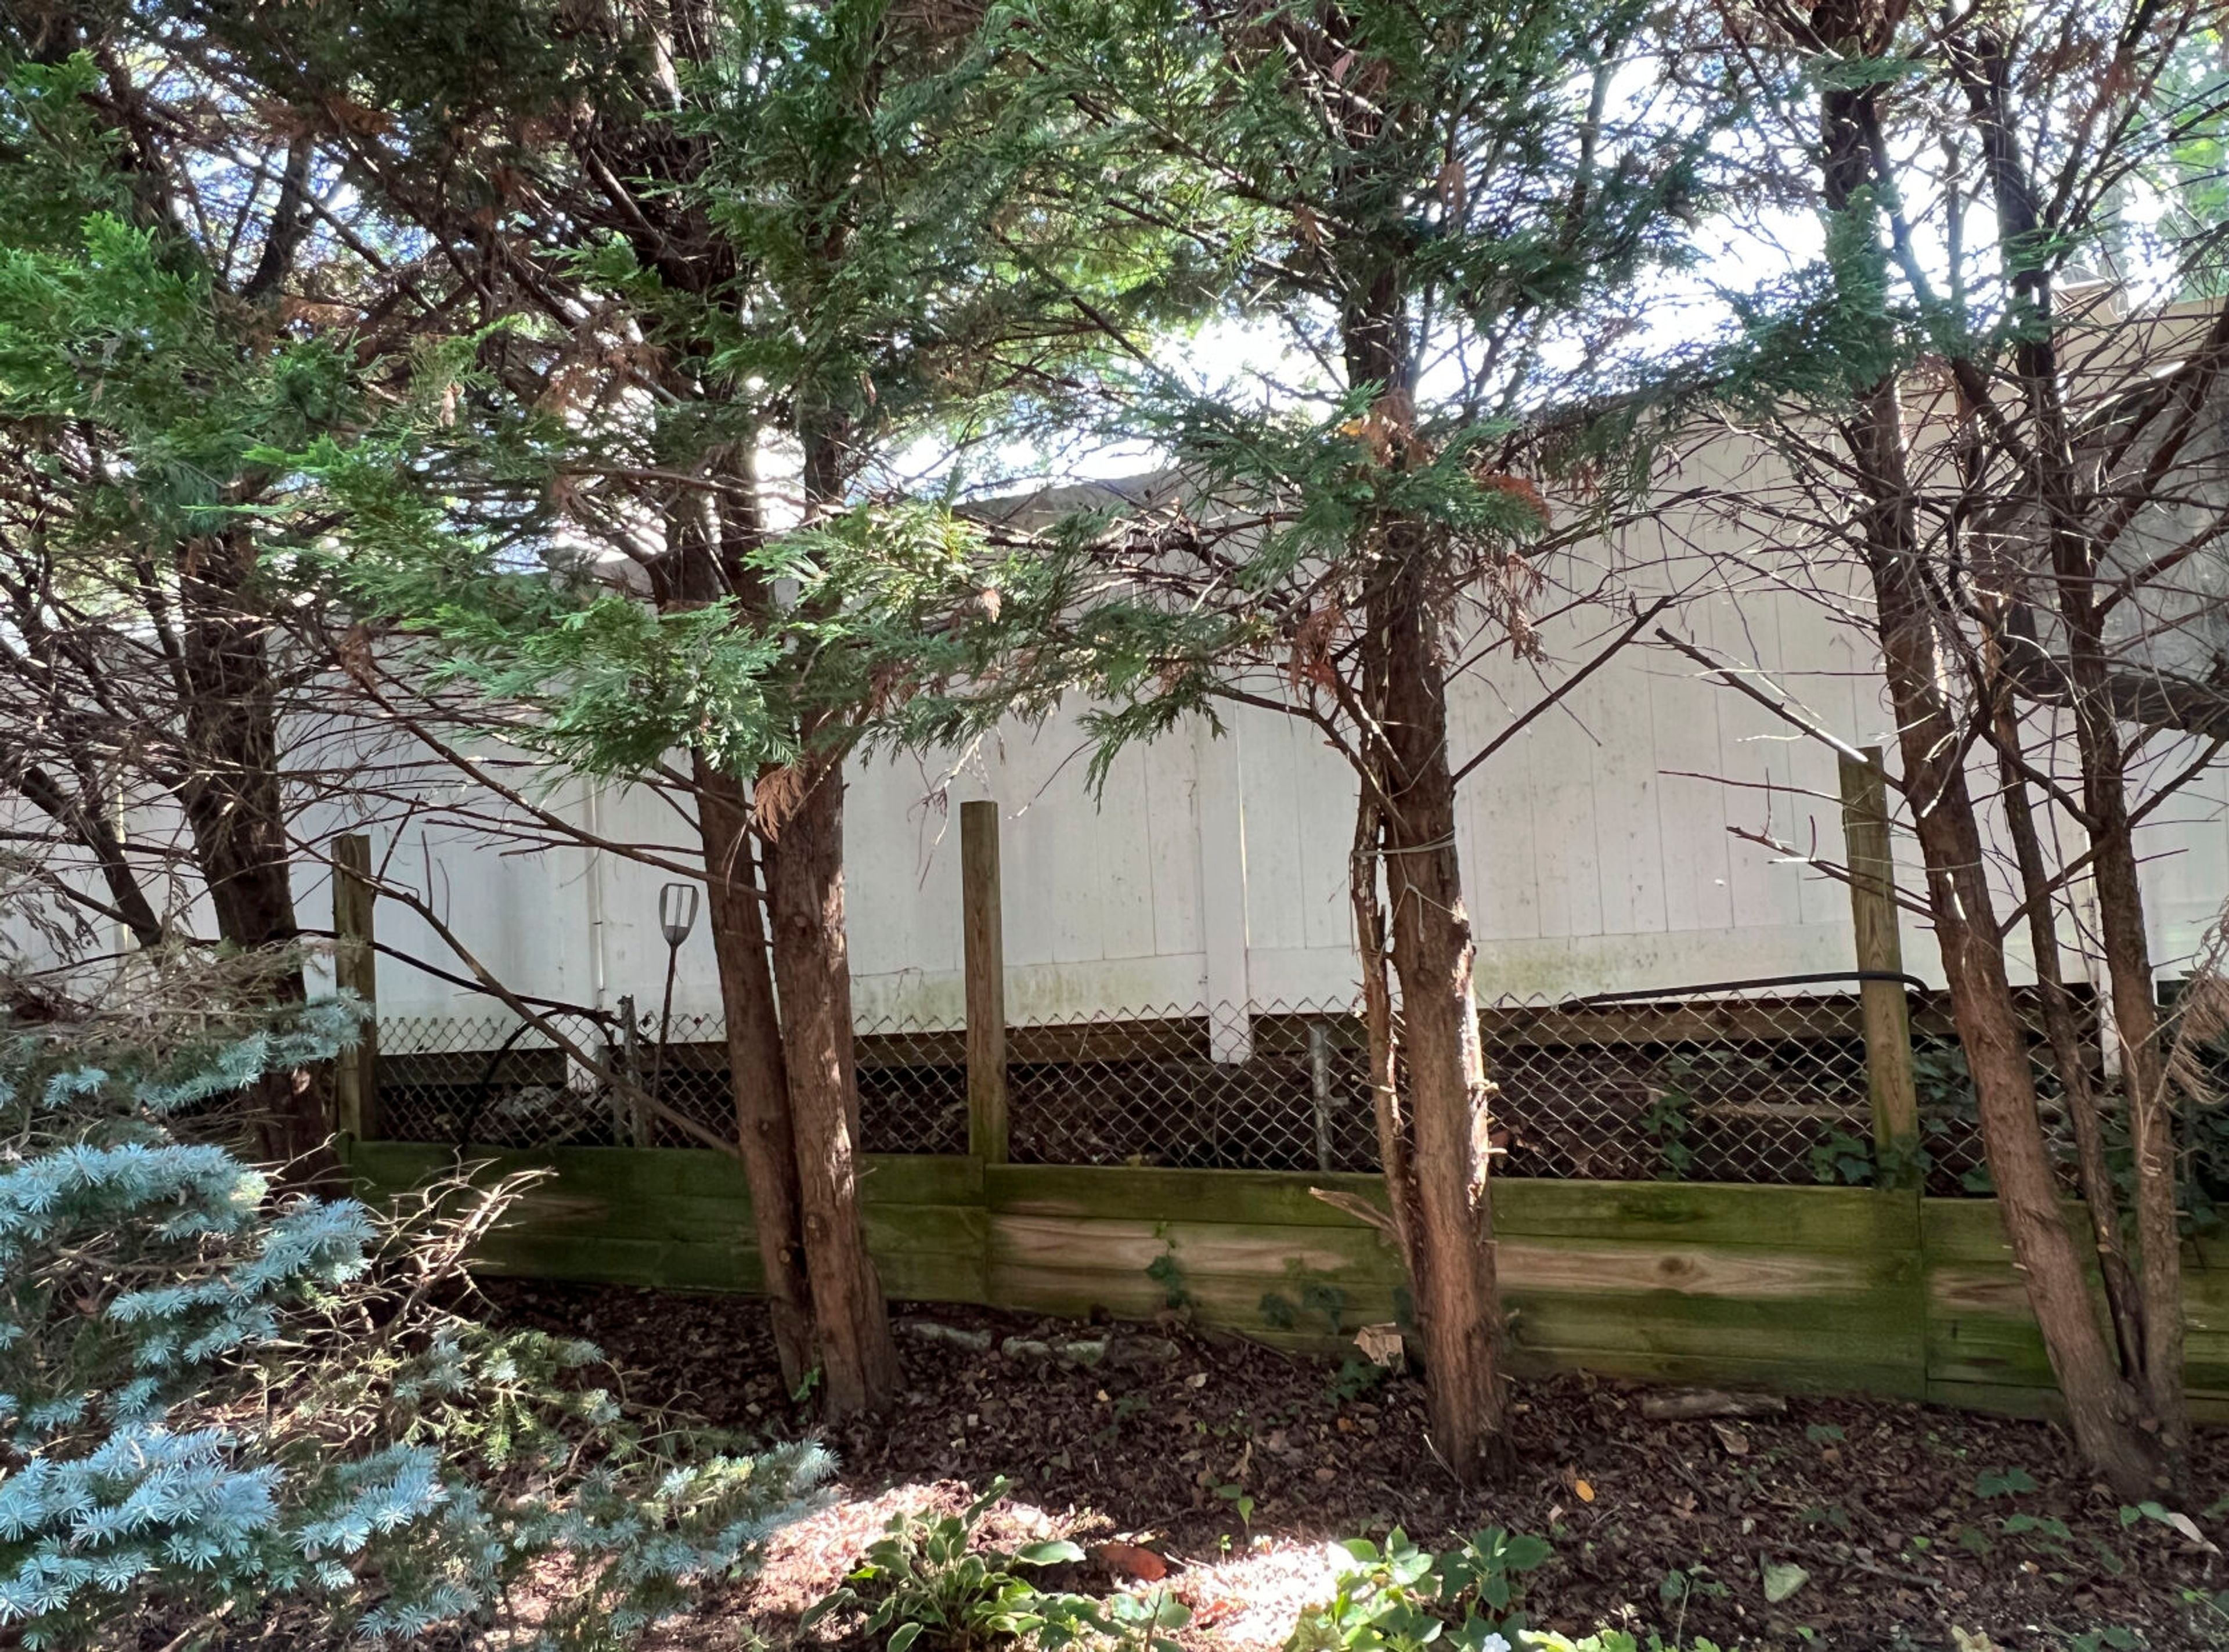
1253, 1599
1247, 1599
808, 1558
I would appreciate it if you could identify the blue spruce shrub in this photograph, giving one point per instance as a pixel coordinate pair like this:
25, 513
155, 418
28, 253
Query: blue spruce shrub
218, 1401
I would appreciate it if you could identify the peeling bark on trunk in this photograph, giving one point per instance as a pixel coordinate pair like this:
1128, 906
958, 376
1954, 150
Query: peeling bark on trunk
231, 796
2101, 1407
756, 1071
1457, 1297
811, 965
1406, 816
1385, 1109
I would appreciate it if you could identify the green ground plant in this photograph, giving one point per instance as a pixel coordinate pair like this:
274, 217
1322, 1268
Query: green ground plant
930, 1581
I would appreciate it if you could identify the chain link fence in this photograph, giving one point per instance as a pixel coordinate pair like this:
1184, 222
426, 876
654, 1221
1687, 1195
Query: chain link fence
1949, 1119
1756, 1091
1690, 1088
1284, 1088
1752, 1089
492, 1081
913, 1085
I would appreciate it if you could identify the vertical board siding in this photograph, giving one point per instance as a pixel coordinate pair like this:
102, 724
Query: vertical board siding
1592, 860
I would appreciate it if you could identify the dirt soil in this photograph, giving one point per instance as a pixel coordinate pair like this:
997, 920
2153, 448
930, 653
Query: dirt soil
1918, 1526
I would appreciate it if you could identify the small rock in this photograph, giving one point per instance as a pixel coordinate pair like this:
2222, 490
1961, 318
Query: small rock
933, 1331
1085, 1351
1025, 1348
1130, 1352
1671, 1405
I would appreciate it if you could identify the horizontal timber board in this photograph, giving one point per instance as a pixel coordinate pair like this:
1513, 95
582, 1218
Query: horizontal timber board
1970, 1230
670, 1265
898, 1179
1804, 1219
1586, 1267
1195, 1248
1901, 1381
2019, 1399
1978, 1292
1825, 1335
1790, 1332
1235, 1304
1240, 1251
1830, 1218
1826, 1219
662, 1264
556, 1208
1998, 1349
1276, 1198
1719, 1280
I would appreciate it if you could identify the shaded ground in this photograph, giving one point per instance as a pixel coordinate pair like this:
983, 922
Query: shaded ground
1917, 1526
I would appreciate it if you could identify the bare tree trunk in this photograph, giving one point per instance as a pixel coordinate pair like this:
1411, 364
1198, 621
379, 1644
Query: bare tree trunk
2124, 1300
1458, 1298
756, 1071
231, 795
2151, 1116
235, 809
1981, 60
812, 964
2100, 1405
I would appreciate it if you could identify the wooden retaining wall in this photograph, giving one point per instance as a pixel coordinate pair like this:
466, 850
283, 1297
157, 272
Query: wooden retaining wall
1818, 1289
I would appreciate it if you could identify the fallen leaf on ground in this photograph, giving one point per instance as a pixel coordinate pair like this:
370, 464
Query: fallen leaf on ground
1380, 1344
1133, 1560
2189, 1527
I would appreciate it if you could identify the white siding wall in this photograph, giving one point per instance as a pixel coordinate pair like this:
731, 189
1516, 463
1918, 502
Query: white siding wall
1596, 846
1214, 869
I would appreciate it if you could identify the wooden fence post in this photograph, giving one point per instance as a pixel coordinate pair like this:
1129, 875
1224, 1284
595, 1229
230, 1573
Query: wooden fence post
356, 1072
984, 957
1885, 1015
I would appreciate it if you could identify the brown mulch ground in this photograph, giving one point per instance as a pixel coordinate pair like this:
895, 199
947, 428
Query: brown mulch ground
1656, 1525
